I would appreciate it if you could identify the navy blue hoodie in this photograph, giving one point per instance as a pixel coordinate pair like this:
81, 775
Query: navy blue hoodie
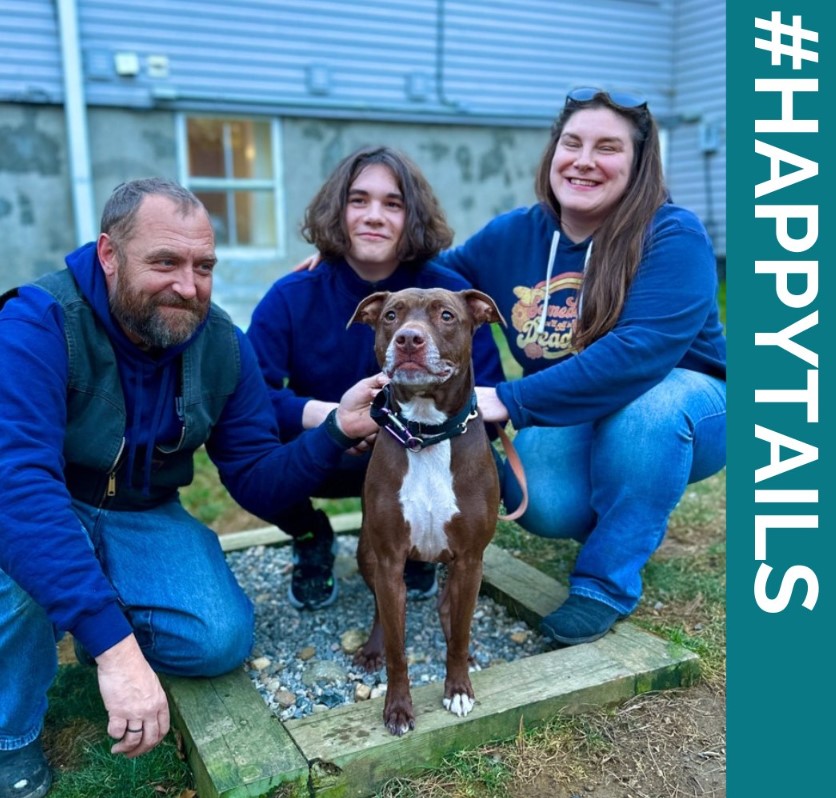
42, 545
299, 334
669, 318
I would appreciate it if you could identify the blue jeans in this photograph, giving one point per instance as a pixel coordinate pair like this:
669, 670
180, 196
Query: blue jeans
612, 484
188, 613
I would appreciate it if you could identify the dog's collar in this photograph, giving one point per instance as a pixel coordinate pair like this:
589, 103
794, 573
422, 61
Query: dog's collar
414, 435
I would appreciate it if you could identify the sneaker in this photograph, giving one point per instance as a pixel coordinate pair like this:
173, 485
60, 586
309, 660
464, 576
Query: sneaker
312, 584
579, 620
421, 579
24, 773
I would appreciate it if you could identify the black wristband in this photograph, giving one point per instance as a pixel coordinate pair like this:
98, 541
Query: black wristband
336, 433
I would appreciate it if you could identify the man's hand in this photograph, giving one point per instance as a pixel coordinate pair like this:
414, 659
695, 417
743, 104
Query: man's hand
137, 707
353, 411
490, 405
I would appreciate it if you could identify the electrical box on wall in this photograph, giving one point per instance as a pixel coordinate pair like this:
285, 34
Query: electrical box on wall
126, 64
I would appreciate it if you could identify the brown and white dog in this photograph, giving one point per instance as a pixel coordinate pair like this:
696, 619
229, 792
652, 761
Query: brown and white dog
431, 490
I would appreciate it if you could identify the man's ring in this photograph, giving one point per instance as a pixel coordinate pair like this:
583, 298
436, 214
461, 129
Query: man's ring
133, 731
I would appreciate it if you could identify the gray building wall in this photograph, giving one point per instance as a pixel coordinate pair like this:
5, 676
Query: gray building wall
467, 88
696, 167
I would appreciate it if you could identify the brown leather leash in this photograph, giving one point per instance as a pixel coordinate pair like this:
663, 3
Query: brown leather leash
519, 473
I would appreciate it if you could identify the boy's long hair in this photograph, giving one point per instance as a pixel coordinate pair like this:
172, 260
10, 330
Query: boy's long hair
425, 231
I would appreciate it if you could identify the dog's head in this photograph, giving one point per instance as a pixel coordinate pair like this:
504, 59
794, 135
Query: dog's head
423, 336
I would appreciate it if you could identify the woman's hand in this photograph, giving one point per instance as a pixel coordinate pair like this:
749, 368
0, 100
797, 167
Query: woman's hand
490, 405
309, 264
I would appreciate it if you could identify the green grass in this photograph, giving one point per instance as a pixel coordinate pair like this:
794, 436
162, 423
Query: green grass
78, 747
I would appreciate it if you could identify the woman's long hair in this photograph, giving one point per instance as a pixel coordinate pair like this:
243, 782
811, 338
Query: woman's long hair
620, 240
425, 231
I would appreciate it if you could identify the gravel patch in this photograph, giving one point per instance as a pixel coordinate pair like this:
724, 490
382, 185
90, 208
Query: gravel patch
302, 660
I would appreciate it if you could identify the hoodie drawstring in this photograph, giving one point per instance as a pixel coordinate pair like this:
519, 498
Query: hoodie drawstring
552, 255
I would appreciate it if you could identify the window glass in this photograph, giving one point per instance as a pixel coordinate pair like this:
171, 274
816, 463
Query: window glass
230, 168
241, 218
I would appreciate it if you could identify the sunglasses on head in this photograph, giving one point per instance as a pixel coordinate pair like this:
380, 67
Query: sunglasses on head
619, 98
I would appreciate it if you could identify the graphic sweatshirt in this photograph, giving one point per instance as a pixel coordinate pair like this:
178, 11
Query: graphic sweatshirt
669, 319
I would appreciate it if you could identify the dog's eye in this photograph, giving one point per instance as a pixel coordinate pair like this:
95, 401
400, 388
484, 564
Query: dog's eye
390, 315
446, 315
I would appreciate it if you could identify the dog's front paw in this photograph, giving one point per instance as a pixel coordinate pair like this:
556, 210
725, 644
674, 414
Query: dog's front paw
399, 718
460, 704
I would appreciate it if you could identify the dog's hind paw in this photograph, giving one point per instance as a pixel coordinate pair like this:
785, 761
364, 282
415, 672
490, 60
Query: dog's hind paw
460, 704
371, 661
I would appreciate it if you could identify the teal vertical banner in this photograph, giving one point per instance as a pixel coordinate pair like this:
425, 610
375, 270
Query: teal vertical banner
780, 323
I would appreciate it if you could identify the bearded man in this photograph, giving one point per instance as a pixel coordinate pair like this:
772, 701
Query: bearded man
117, 369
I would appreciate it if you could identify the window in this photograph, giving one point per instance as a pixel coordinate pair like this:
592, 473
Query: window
232, 165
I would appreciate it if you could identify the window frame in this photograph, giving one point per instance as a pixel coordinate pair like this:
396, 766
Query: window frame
196, 184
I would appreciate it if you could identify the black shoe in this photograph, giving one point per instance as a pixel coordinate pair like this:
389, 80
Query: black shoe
24, 773
579, 620
421, 579
312, 584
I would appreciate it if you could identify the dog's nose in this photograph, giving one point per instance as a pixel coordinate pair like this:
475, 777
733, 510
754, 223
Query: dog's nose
410, 339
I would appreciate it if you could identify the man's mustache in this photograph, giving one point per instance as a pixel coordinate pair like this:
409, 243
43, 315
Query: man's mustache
174, 301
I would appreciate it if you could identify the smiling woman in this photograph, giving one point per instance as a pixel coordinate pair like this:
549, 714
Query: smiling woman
591, 168
610, 290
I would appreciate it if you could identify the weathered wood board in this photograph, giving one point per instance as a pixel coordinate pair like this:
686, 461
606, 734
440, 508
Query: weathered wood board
235, 746
238, 749
352, 752
273, 536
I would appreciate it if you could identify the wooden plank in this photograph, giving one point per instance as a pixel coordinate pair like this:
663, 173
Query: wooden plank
353, 754
235, 746
273, 536
528, 594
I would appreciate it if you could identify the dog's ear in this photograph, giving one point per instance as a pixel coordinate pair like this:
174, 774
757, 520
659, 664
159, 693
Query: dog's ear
368, 311
482, 308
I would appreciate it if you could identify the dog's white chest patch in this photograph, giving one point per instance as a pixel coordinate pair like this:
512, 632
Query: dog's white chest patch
426, 495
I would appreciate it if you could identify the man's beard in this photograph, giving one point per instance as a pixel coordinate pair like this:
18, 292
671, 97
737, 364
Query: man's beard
145, 317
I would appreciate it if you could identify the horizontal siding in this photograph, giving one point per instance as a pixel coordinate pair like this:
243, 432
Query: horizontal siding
698, 180
30, 52
527, 54
495, 57
262, 50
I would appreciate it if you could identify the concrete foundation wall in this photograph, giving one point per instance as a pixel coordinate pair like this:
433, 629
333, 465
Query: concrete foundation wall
476, 171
